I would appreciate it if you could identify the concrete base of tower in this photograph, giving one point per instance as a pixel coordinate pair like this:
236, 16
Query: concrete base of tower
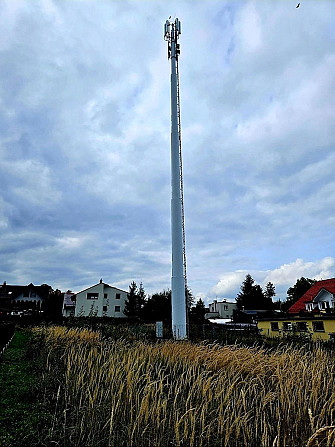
179, 331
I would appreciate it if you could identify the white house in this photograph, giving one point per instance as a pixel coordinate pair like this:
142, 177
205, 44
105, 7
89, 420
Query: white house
322, 301
101, 300
69, 304
221, 309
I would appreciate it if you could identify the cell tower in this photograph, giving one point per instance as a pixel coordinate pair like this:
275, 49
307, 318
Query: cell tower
172, 31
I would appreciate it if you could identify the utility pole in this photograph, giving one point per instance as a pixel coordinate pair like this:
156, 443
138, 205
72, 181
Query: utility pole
172, 31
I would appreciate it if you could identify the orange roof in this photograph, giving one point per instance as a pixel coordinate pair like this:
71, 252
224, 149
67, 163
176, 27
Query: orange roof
328, 284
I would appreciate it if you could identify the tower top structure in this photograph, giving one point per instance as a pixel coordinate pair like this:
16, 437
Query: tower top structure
172, 31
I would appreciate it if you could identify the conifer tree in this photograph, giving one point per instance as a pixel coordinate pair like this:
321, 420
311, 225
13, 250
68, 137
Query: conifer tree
197, 313
244, 299
141, 298
131, 304
253, 297
270, 291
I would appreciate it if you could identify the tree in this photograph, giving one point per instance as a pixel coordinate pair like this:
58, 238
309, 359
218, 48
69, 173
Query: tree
244, 299
253, 297
189, 298
270, 291
197, 312
131, 304
158, 307
140, 300
53, 305
297, 291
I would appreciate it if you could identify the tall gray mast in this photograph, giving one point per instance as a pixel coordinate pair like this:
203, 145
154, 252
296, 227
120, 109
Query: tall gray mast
172, 30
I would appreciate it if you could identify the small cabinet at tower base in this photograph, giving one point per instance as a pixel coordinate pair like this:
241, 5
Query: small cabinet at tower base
159, 329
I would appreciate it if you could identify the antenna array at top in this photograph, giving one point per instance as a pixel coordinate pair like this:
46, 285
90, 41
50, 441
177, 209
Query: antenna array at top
172, 30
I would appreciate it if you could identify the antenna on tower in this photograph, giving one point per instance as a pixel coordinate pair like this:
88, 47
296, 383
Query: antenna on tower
172, 31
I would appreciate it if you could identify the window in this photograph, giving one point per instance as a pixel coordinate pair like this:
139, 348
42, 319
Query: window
33, 294
117, 308
318, 326
118, 296
323, 305
225, 307
274, 326
301, 326
287, 326
105, 295
92, 296
104, 308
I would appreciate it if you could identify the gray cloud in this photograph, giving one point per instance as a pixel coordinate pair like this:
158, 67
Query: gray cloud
84, 142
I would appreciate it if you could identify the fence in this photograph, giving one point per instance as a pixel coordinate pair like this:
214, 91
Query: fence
6, 334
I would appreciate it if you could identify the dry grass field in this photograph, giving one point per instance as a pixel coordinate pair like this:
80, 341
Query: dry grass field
115, 393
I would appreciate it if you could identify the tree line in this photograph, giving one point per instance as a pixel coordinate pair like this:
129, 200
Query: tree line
252, 296
140, 307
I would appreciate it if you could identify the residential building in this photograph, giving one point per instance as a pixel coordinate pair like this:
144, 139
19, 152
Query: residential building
313, 327
221, 309
312, 316
319, 297
101, 300
23, 297
69, 304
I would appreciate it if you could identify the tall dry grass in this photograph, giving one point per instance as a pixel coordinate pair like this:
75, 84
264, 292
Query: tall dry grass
178, 393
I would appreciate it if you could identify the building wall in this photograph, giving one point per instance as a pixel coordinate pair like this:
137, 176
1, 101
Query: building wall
101, 300
317, 328
223, 308
69, 305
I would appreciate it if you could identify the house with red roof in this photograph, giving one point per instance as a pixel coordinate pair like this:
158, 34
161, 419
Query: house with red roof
312, 317
320, 297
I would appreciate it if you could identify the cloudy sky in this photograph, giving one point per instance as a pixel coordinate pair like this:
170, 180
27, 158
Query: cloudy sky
85, 142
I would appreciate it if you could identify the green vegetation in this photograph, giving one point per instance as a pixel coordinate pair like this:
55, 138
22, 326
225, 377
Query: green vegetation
23, 417
253, 297
295, 292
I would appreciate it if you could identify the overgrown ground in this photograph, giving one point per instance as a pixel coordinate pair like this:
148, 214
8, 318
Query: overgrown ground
23, 416
75, 388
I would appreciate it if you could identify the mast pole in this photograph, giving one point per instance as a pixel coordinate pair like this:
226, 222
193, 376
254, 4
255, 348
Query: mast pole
179, 326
